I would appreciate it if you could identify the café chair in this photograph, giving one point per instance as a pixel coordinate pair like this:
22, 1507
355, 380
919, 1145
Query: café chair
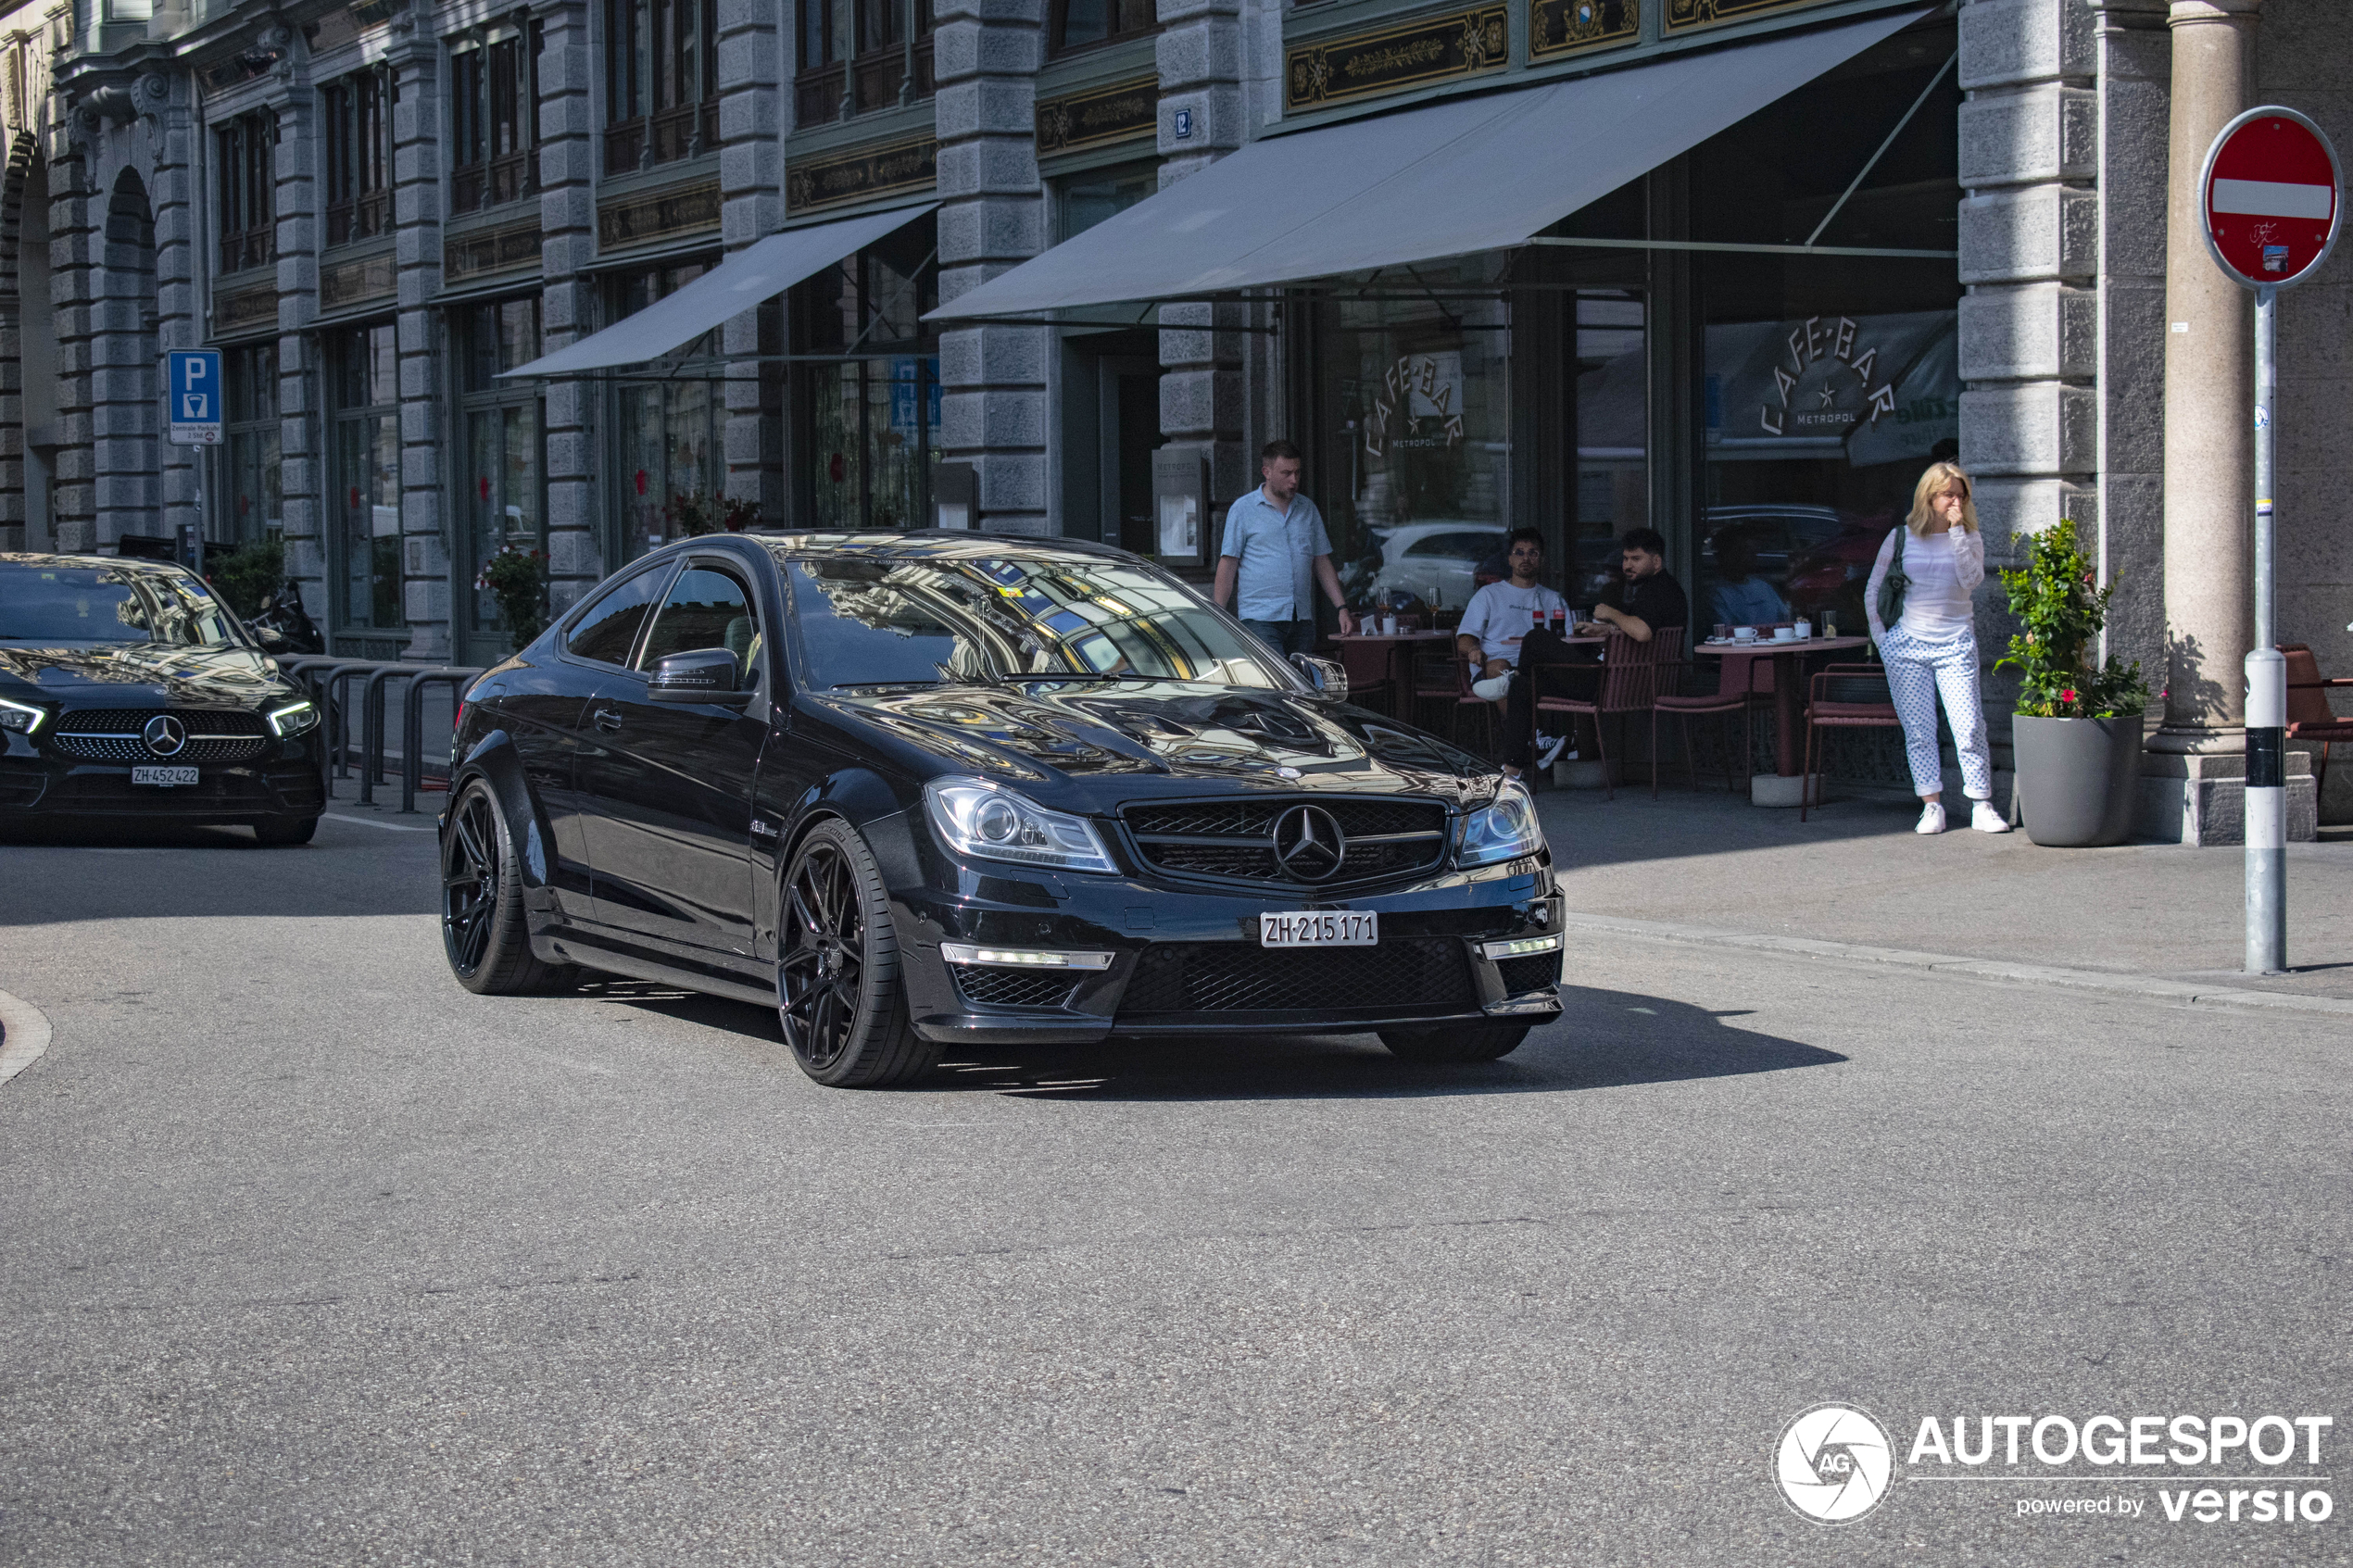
1843, 697
2308, 717
1445, 677
1630, 672
1733, 694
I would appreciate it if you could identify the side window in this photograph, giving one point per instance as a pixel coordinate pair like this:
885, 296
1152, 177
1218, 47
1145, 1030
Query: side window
607, 629
706, 609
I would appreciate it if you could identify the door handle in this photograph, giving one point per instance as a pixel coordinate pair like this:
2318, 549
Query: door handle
607, 719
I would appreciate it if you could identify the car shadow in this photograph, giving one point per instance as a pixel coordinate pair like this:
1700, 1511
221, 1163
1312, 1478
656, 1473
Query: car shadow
1604, 1039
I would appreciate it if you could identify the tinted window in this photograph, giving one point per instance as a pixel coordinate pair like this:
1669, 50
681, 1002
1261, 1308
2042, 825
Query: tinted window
1461, 546
706, 609
607, 629
53, 605
877, 621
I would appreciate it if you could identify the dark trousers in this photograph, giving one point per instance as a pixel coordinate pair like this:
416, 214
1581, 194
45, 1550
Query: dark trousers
1565, 671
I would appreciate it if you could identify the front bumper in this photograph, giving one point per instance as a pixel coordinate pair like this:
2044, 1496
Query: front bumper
1188, 961
286, 781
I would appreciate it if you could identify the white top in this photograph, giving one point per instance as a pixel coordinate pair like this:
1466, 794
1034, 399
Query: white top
1946, 570
1499, 615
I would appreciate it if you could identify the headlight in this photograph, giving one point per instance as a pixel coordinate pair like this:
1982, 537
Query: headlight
1504, 831
293, 719
22, 717
997, 825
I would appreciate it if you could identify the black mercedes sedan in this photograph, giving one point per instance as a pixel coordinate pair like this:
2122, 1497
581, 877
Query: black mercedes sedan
919, 790
128, 690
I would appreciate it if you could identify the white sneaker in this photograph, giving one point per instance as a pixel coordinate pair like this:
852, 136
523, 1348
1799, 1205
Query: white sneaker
1932, 818
1985, 819
1549, 749
1492, 688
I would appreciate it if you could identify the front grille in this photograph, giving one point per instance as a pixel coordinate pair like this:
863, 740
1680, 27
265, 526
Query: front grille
1234, 839
113, 734
1532, 972
1417, 974
991, 986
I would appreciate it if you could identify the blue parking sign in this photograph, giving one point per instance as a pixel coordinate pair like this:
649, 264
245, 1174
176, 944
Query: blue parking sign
194, 392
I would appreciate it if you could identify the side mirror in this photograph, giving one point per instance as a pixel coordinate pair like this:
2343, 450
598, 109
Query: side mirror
704, 675
1328, 678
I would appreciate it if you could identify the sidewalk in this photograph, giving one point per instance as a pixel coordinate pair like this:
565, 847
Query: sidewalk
1701, 865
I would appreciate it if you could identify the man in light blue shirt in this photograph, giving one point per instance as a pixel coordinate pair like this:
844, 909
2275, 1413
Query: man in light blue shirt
1275, 553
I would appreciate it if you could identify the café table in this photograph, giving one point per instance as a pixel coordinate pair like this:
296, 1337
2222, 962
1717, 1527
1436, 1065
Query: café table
1789, 701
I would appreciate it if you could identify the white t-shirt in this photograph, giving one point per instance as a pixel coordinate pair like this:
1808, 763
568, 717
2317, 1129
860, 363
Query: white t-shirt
1944, 569
1499, 615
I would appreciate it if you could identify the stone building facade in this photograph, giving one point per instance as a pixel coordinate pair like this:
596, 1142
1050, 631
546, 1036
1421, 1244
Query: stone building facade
378, 209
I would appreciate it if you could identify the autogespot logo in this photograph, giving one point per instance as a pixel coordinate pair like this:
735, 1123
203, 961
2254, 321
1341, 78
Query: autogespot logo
1833, 1463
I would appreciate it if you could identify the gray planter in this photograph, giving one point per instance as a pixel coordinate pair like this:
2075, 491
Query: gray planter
2077, 779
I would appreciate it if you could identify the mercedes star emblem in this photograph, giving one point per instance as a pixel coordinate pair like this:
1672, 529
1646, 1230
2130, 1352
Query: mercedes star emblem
165, 736
1308, 844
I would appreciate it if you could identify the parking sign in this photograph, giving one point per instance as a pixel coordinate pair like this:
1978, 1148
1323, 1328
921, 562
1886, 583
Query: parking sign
191, 379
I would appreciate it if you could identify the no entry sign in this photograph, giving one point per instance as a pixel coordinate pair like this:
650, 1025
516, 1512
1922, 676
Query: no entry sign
2270, 194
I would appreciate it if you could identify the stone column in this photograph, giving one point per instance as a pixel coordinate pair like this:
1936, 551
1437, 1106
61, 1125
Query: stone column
751, 152
310, 512
424, 426
1203, 392
2209, 392
567, 246
991, 219
177, 193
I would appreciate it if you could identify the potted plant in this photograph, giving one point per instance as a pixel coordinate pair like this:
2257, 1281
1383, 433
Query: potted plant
517, 578
2077, 735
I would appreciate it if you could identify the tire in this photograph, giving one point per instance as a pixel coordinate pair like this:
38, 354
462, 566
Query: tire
1479, 1041
484, 932
840, 995
280, 831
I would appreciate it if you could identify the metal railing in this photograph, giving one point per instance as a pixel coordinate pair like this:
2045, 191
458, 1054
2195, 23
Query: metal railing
329, 681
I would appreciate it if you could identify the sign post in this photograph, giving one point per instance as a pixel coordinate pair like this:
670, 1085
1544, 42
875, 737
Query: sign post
2270, 192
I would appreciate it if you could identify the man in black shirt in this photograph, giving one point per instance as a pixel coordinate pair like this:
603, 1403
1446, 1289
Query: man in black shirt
1650, 600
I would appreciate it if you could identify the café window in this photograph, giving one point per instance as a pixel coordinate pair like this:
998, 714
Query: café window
661, 82
363, 413
1411, 462
1076, 24
358, 111
858, 48
870, 420
502, 477
248, 193
672, 469
494, 121
1829, 383
253, 504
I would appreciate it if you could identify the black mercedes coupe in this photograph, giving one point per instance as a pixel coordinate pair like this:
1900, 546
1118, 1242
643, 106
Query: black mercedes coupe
128, 690
918, 790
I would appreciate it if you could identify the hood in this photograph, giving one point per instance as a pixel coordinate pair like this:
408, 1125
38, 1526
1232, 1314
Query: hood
1145, 739
144, 675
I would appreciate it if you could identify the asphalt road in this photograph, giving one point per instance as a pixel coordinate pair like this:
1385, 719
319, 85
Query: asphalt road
313, 1258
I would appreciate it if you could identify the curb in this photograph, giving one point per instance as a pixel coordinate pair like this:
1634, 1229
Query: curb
2147, 986
24, 1034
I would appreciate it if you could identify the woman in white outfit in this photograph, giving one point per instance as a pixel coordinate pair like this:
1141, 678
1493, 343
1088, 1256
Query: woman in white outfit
1936, 559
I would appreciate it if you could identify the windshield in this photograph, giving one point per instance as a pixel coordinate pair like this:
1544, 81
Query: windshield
875, 621
53, 605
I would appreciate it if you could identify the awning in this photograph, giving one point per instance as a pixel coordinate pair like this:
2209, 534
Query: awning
1449, 179
750, 277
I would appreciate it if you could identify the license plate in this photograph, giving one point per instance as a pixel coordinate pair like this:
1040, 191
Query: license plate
167, 777
1320, 928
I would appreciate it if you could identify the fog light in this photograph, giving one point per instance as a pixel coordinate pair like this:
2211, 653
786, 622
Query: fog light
1519, 946
1021, 958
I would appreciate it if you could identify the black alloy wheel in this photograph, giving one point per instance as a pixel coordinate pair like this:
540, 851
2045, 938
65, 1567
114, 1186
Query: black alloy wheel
483, 929
839, 994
